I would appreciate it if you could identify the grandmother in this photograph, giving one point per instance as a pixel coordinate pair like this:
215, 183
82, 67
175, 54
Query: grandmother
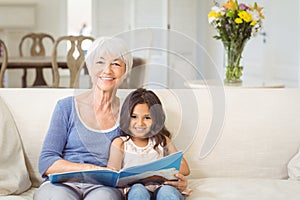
83, 126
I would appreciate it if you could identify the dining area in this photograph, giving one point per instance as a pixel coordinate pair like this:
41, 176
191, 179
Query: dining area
60, 65
48, 57
32, 62
52, 18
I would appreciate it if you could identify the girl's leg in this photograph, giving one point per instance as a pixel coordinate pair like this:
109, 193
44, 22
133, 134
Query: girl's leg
138, 191
167, 192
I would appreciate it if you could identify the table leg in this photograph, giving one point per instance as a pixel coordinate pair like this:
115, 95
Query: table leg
39, 78
24, 78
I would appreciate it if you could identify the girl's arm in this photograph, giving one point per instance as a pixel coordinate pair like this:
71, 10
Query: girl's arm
116, 154
184, 167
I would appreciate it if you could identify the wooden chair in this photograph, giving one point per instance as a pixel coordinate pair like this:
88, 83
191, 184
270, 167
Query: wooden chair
4, 58
37, 48
74, 64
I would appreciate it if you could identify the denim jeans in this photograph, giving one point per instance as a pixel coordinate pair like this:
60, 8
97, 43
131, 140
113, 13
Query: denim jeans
165, 192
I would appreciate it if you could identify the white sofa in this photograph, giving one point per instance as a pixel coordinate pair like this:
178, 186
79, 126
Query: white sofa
257, 135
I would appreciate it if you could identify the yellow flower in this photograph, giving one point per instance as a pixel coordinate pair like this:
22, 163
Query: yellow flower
245, 16
238, 20
253, 23
213, 14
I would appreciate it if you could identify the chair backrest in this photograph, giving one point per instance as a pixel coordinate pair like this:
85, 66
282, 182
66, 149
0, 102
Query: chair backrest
4, 58
74, 64
37, 47
136, 77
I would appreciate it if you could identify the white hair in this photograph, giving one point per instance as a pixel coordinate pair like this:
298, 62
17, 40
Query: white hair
112, 45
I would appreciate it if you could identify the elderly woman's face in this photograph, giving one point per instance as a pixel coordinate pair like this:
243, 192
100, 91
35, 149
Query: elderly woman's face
107, 72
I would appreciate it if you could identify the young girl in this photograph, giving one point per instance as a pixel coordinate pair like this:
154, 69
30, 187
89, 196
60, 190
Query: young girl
144, 138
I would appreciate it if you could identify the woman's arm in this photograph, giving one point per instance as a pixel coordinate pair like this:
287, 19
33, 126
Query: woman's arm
62, 165
184, 167
51, 158
116, 154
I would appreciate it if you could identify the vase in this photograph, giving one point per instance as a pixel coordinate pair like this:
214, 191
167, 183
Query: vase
233, 56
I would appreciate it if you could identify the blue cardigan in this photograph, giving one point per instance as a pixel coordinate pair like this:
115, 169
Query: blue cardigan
70, 139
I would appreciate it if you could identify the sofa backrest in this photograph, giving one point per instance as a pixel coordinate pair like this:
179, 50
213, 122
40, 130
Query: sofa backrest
260, 133
32, 110
257, 130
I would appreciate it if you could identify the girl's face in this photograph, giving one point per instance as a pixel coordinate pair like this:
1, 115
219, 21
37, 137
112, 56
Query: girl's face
107, 72
141, 121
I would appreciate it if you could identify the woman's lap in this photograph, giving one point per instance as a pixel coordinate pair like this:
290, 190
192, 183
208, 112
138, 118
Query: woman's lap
76, 191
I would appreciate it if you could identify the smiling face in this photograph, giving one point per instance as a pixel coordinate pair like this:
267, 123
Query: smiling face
107, 72
140, 121
108, 61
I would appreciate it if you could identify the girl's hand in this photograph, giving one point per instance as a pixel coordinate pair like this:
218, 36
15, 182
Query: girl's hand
181, 184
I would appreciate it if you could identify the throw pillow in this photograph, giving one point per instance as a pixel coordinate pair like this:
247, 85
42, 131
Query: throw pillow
294, 167
14, 178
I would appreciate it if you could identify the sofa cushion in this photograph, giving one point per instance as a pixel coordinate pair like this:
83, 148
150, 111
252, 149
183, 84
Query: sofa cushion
14, 178
243, 189
28, 195
294, 167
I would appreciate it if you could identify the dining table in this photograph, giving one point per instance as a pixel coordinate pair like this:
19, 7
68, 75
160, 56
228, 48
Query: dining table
34, 62
40, 62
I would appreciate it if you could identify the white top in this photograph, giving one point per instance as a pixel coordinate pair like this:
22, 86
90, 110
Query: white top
135, 155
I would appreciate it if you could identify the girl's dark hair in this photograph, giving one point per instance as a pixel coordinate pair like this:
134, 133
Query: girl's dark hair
158, 130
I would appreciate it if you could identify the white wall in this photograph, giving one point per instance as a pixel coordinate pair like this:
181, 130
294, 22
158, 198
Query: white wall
110, 17
50, 17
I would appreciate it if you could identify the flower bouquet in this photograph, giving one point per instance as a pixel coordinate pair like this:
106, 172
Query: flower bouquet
236, 24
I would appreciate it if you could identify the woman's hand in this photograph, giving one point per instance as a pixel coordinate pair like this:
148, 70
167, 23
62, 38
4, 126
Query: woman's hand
181, 184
